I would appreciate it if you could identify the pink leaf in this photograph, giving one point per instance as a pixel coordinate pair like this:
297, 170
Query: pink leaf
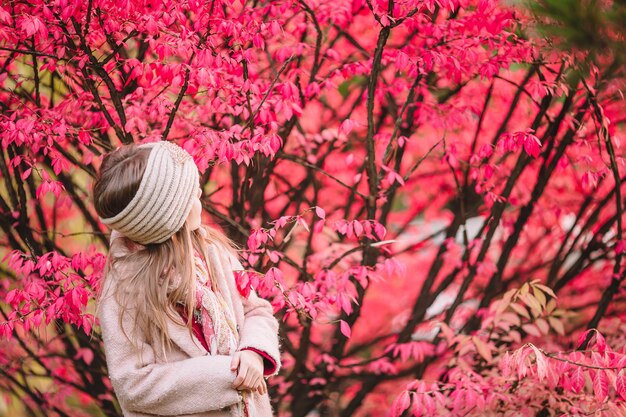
583, 337
358, 228
589, 181
242, 280
345, 329
401, 403
620, 385
301, 222
482, 348
532, 145
346, 126
87, 326
86, 354
380, 230
429, 405
600, 385
540, 362
600, 343
26, 173
578, 379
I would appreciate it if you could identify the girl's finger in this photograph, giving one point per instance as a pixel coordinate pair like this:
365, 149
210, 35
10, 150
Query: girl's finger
241, 377
234, 363
254, 379
256, 383
249, 380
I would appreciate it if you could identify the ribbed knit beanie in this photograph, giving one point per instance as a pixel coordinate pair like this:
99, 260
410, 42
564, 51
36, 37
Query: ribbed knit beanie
164, 198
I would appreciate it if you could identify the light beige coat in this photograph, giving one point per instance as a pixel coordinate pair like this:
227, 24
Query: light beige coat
191, 382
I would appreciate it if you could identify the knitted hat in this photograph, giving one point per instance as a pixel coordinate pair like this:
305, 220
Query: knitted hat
164, 198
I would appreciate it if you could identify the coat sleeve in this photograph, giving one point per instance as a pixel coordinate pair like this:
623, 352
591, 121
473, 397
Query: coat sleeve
259, 331
188, 386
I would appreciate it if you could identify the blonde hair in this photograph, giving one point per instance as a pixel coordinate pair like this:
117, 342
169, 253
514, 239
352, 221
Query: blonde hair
156, 276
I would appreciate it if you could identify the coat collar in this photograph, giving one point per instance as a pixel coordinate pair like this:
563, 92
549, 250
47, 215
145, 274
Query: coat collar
180, 337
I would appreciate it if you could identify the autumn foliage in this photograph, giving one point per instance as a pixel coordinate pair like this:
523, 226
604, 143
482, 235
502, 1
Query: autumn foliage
427, 191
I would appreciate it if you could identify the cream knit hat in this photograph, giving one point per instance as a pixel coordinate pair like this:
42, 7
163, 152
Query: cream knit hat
164, 198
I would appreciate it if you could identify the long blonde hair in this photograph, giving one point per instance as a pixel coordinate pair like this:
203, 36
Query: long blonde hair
155, 276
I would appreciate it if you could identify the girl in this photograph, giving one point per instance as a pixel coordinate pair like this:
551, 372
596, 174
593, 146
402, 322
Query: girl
179, 338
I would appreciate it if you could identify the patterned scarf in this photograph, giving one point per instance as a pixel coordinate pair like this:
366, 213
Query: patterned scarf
215, 315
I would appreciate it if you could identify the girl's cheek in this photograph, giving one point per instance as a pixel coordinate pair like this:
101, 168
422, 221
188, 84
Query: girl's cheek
198, 208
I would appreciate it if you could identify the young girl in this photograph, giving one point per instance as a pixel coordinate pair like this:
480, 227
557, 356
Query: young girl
179, 337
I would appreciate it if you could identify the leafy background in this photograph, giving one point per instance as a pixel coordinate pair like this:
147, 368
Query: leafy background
429, 192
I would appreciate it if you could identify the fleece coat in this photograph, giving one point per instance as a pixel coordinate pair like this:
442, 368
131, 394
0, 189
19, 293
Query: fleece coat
190, 382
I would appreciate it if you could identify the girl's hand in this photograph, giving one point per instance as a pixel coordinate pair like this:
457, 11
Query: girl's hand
263, 387
250, 372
